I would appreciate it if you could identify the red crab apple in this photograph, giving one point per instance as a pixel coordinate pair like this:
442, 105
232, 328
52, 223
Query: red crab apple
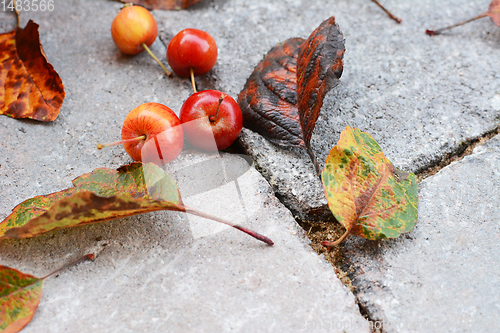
133, 30
192, 52
211, 115
151, 132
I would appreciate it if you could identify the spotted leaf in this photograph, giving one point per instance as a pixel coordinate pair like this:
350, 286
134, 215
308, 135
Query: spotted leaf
29, 85
20, 295
365, 192
103, 195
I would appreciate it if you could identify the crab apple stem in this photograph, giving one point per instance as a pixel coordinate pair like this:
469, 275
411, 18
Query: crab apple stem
387, 12
17, 15
213, 118
90, 256
439, 31
252, 233
338, 241
106, 145
193, 83
156, 59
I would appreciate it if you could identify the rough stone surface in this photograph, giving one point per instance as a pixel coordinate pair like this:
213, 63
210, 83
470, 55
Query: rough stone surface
170, 272
443, 276
420, 97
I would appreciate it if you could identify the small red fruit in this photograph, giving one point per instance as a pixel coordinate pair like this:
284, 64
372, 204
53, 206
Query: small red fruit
153, 133
192, 52
211, 115
132, 27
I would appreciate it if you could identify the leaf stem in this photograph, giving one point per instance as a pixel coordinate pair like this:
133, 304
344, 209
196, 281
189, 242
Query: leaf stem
90, 256
388, 12
193, 83
156, 59
17, 16
106, 145
213, 118
252, 233
439, 31
338, 241
314, 160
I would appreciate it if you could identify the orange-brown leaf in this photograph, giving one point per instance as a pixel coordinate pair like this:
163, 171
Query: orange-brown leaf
319, 68
163, 4
29, 85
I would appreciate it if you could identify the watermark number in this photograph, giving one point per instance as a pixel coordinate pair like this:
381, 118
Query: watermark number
27, 5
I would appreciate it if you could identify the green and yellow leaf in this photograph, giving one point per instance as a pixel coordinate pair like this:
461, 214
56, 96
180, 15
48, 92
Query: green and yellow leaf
20, 295
102, 195
365, 192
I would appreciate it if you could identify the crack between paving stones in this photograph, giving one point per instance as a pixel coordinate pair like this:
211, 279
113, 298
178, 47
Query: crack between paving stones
464, 149
318, 231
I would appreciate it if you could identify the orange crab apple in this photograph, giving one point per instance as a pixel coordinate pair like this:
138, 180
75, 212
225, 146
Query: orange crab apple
133, 30
151, 132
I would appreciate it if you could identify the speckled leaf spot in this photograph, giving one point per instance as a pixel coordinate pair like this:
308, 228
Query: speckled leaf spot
163, 4
365, 192
29, 85
20, 295
102, 195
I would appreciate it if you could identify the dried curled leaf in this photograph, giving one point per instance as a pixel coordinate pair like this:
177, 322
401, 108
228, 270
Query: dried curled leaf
319, 68
102, 195
282, 98
20, 295
163, 4
269, 99
365, 192
29, 85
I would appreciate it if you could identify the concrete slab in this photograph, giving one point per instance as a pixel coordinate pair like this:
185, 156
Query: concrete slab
419, 97
444, 275
168, 272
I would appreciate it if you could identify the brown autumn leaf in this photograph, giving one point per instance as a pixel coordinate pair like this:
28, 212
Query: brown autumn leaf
29, 85
319, 68
282, 98
163, 4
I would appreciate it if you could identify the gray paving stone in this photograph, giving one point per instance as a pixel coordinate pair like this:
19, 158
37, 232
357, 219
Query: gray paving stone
443, 276
166, 272
419, 97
